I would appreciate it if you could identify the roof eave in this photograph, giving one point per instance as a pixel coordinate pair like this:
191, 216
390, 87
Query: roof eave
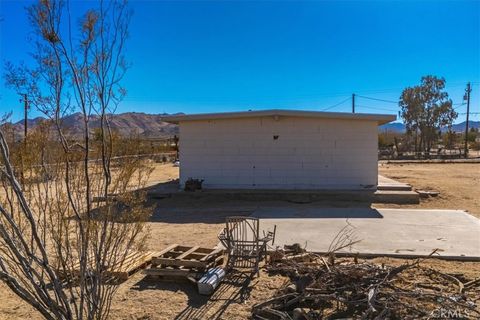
379, 118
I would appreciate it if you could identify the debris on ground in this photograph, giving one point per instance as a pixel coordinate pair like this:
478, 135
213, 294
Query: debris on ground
193, 184
184, 262
118, 268
210, 280
325, 287
427, 193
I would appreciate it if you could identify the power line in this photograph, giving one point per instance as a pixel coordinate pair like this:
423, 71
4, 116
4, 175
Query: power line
380, 107
376, 108
336, 105
376, 99
399, 89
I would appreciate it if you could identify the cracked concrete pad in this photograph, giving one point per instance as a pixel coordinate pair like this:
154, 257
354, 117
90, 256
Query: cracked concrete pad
396, 232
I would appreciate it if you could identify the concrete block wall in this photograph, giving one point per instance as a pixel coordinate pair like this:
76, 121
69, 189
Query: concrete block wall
279, 153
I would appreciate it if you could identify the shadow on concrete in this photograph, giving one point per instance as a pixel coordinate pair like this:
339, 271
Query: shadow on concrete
196, 215
213, 207
217, 215
163, 189
318, 213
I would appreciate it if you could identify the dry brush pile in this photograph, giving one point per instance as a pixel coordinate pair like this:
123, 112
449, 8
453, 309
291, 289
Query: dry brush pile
322, 287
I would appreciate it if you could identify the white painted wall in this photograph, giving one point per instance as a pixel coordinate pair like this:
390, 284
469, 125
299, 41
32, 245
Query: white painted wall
310, 153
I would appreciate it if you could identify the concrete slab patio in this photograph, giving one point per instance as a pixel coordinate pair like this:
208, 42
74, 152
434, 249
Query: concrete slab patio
385, 232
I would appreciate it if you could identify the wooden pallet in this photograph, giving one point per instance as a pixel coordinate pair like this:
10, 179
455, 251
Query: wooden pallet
133, 262
188, 257
184, 261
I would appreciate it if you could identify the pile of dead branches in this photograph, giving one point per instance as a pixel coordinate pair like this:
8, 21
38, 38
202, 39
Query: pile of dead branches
322, 287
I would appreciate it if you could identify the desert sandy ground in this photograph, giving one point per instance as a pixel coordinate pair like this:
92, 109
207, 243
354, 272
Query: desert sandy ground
458, 184
143, 298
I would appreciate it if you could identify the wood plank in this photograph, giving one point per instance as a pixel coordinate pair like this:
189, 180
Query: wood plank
180, 263
132, 262
169, 272
205, 250
212, 254
183, 248
186, 253
124, 272
169, 248
144, 258
195, 256
131, 257
189, 263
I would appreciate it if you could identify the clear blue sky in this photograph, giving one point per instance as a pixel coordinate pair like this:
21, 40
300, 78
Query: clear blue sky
232, 55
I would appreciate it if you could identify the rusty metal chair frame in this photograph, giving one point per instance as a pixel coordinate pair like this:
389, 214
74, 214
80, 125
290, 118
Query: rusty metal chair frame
245, 246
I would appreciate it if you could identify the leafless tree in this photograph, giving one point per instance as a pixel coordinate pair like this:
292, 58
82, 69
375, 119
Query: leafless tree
56, 241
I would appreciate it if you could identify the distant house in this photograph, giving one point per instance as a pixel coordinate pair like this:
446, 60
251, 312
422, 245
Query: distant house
280, 149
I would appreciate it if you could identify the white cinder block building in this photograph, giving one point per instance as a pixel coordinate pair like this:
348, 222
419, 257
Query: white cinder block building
280, 149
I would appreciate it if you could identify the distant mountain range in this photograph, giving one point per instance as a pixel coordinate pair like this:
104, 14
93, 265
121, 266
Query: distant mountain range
145, 125
151, 126
400, 127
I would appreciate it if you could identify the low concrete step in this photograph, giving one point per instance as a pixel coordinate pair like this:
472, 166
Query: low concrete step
389, 184
301, 196
395, 187
396, 196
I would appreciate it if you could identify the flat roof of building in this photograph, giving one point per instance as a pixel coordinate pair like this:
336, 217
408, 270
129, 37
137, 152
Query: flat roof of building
379, 118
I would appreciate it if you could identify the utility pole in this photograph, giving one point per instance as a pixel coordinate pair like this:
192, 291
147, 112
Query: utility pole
25, 104
175, 140
467, 97
353, 102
